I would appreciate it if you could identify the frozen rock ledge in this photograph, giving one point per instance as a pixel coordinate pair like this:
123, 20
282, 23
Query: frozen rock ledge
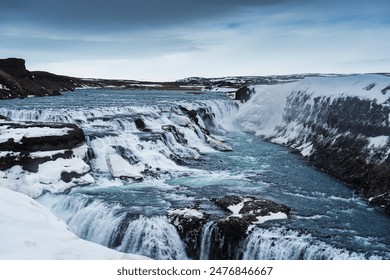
42, 157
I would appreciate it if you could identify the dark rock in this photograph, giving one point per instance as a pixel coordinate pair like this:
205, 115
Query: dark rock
126, 154
15, 67
21, 152
243, 94
179, 137
90, 154
178, 160
68, 176
207, 117
27, 162
261, 207
140, 124
4, 118
19, 82
230, 232
192, 114
72, 138
338, 130
226, 235
152, 137
189, 228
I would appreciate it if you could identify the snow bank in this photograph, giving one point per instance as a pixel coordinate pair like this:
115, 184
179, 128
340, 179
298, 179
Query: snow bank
30, 231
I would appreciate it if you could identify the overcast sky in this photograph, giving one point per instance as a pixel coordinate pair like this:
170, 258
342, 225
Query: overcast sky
165, 40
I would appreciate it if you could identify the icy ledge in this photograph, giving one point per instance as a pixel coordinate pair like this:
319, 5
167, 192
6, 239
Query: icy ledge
38, 157
30, 231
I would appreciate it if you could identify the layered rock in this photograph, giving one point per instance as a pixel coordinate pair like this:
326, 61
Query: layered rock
41, 157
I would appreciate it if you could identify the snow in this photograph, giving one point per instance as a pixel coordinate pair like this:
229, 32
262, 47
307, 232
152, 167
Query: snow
306, 151
378, 141
30, 231
264, 114
236, 208
119, 167
270, 217
48, 177
352, 86
181, 120
217, 144
187, 212
18, 133
4, 87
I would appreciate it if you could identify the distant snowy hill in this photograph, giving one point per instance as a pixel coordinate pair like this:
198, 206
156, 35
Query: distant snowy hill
340, 123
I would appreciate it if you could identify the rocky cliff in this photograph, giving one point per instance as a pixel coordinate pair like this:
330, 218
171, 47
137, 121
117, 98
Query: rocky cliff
17, 82
340, 124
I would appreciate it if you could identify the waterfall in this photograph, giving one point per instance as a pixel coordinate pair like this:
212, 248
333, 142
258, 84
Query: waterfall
207, 233
288, 244
154, 237
110, 225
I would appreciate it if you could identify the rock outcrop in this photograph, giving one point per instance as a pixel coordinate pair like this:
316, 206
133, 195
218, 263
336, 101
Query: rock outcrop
40, 157
210, 237
243, 94
350, 141
340, 124
17, 82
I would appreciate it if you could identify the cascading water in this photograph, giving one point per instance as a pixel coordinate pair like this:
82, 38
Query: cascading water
112, 226
182, 168
207, 233
283, 244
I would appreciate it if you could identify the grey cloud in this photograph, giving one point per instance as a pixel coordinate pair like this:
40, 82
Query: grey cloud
138, 47
114, 15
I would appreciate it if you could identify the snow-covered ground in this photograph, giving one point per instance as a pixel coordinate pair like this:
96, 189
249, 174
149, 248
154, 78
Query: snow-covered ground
30, 231
18, 133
